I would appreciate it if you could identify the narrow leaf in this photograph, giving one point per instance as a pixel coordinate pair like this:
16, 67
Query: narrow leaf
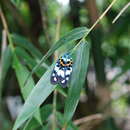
6, 57
30, 61
77, 80
21, 74
74, 35
37, 96
6, 61
23, 42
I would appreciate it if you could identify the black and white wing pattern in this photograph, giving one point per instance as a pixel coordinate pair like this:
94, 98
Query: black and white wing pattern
62, 71
54, 76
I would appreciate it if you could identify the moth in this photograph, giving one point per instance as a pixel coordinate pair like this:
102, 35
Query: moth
62, 70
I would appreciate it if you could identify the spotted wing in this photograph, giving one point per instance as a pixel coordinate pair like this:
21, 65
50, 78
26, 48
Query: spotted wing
54, 76
64, 76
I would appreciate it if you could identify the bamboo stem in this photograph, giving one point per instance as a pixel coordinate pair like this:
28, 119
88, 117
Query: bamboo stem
121, 12
55, 57
97, 21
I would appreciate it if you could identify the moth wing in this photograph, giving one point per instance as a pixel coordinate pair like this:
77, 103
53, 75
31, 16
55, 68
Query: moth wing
64, 77
54, 76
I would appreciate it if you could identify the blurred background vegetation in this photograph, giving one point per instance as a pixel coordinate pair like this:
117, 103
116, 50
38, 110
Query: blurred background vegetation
34, 25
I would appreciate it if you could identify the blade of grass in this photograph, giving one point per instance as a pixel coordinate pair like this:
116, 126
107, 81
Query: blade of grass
37, 96
77, 80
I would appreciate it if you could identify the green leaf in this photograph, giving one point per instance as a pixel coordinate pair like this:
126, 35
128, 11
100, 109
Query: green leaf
61, 90
60, 120
22, 42
30, 61
21, 74
31, 124
6, 61
73, 35
37, 96
46, 111
6, 57
77, 80
16, 2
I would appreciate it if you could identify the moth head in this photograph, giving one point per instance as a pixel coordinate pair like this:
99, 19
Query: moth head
66, 60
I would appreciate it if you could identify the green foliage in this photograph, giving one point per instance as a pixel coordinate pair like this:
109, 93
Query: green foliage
79, 70
44, 88
21, 73
25, 69
24, 43
5, 64
29, 61
74, 35
37, 96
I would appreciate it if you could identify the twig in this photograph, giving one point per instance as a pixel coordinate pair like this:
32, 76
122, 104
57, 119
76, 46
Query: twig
3, 20
121, 12
4, 41
97, 21
55, 57
88, 118
5, 25
54, 110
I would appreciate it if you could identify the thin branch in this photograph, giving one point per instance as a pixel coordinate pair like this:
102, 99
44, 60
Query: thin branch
3, 20
97, 21
4, 41
55, 57
121, 12
54, 110
88, 119
5, 25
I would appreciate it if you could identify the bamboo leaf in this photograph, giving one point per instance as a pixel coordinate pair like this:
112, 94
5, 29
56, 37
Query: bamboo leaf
23, 42
37, 96
30, 61
60, 120
6, 57
73, 35
77, 80
32, 124
21, 74
6, 61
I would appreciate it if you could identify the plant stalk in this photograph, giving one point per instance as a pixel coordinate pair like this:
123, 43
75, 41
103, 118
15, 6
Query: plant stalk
97, 21
55, 57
